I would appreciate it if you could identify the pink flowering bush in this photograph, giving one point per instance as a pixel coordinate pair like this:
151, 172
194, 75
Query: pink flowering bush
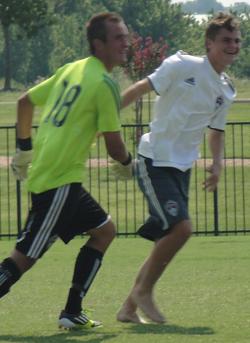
144, 56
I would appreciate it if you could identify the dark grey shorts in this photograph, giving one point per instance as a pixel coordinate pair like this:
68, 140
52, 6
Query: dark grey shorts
166, 190
63, 212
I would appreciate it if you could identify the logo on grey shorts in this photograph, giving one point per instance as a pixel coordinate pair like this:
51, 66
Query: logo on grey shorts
172, 207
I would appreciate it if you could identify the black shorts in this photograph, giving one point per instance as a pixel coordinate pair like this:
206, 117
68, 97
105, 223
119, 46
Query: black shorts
63, 212
166, 190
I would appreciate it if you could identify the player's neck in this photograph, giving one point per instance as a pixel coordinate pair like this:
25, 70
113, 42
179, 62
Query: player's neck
217, 65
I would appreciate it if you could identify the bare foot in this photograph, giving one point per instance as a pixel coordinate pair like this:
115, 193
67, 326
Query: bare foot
129, 317
146, 304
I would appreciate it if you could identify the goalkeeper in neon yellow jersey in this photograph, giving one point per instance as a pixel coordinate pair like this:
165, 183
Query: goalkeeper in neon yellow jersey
78, 101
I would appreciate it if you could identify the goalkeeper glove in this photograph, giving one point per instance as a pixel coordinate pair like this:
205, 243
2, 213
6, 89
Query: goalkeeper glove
123, 171
20, 162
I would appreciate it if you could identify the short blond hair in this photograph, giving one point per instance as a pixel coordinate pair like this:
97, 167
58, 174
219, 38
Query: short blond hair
221, 21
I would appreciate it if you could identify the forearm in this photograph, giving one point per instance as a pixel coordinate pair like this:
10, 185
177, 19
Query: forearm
25, 111
216, 145
115, 146
120, 154
122, 165
135, 91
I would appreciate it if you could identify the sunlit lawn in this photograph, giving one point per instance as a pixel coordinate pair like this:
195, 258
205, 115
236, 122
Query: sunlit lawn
205, 294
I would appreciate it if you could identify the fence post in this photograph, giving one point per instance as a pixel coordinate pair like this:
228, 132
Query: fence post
18, 198
216, 217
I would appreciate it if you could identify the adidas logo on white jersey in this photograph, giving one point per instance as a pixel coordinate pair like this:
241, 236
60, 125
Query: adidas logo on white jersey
190, 81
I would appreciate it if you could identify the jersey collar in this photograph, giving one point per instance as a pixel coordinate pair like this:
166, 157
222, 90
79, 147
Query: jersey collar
99, 63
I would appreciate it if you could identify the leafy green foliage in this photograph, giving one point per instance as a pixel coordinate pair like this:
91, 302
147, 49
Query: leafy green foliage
241, 68
28, 15
158, 18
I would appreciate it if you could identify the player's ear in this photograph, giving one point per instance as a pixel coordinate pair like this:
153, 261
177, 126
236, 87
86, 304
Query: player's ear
98, 45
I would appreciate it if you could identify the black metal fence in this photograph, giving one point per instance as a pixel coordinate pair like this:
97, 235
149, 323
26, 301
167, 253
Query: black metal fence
223, 212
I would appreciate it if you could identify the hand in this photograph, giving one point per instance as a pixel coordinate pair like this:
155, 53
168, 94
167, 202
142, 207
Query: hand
122, 172
211, 182
20, 163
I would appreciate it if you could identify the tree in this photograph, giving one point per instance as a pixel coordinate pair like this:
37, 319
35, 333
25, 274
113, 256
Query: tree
68, 37
29, 16
69, 32
158, 18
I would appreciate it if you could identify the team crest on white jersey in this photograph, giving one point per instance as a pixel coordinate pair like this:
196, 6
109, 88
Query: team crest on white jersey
172, 207
219, 102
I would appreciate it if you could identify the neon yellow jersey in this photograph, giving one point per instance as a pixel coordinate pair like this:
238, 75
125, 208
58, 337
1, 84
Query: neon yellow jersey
79, 100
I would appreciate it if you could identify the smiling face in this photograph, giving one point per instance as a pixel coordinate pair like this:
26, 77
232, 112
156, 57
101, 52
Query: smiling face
223, 49
113, 50
222, 40
116, 45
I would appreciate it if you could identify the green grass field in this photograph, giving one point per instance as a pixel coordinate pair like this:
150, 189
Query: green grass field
205, 294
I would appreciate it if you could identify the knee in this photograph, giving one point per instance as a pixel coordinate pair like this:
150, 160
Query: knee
109, 231
102, 237
184, 230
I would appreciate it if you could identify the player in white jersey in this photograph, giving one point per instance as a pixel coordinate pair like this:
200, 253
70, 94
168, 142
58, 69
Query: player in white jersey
194, 93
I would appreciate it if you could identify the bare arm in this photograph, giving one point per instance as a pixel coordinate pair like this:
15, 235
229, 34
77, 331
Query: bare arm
135, 91
216, 145
115, 146
25, 110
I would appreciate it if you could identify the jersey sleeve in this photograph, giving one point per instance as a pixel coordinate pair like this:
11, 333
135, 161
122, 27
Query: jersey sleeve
39, 93
108, 106
162, 78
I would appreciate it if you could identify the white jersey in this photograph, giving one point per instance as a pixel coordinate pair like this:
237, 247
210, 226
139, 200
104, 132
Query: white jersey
191, 97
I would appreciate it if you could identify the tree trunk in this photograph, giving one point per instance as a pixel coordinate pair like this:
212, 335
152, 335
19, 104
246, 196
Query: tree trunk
7, 59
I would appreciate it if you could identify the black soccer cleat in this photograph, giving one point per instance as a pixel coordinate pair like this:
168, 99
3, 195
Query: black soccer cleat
69, 321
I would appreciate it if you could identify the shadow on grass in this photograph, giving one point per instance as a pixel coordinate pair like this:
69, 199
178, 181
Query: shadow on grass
95, 336
170, 329
66, 336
